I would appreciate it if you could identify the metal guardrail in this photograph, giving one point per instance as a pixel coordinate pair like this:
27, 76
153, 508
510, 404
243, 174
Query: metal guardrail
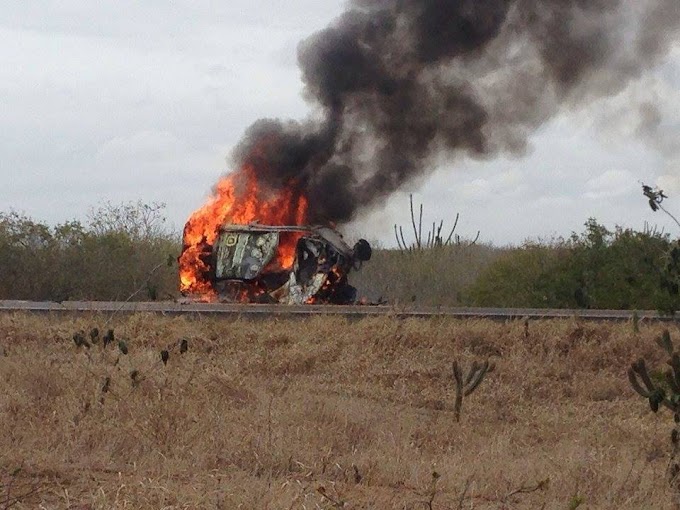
352, 311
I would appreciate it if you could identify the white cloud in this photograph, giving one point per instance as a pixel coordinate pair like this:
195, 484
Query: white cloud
670, 183
142, 143
610, 184
508, 183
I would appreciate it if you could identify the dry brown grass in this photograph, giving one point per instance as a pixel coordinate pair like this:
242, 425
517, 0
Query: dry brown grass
320, 413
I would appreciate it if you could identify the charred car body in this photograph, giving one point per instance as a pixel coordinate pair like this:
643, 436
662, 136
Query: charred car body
284, 264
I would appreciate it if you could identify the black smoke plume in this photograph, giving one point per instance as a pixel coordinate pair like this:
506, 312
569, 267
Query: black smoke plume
396, 82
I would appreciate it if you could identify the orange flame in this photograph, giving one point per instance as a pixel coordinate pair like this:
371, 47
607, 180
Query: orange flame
238, 199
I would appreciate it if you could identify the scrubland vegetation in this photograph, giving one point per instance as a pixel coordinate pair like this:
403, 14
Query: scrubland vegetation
439, 276
146, 412
624, 269
126, 252
326, 413
118, 252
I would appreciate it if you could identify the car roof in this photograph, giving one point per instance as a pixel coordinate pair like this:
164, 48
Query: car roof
331, 236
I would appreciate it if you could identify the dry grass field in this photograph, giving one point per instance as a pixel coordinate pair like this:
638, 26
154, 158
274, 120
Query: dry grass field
325, 413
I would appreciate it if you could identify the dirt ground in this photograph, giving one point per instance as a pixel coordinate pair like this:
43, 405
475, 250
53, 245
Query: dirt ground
326, 413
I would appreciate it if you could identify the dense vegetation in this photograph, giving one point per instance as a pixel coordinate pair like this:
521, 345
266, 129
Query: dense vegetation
119, 252
598, 269
126, 252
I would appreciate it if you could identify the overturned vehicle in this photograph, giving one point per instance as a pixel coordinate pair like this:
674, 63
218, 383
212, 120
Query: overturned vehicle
284, 264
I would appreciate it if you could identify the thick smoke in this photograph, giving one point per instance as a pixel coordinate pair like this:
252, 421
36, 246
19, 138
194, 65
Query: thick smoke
397, 82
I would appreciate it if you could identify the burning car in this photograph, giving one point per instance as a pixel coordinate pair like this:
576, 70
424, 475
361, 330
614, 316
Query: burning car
281, 264
254, 243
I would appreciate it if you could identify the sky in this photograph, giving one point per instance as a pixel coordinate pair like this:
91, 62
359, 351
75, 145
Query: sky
125, 101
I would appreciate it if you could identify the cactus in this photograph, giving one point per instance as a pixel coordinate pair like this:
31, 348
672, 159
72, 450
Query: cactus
122, 347
109, 337
435, 238
79, 339
662, 390
466, 385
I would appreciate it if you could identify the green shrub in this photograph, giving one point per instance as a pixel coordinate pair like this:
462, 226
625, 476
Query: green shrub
523, 277
598, 269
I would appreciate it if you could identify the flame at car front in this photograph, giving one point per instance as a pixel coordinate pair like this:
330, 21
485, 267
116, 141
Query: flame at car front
237, 199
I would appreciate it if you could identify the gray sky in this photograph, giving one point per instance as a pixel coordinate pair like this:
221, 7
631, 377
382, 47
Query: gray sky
117, 101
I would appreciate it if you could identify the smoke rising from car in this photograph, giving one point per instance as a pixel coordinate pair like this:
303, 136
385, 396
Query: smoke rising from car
396, 83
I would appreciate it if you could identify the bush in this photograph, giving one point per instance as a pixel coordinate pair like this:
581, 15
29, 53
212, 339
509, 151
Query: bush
121, 251
524, 277
598, 269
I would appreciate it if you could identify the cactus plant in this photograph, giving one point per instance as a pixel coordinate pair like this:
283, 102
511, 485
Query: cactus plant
435, 238
662, 390
466, 385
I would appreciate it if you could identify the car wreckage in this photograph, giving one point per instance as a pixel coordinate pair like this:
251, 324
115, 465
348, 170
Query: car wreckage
284, 264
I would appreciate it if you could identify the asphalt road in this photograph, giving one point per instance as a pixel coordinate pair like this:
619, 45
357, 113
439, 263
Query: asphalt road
352, 311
